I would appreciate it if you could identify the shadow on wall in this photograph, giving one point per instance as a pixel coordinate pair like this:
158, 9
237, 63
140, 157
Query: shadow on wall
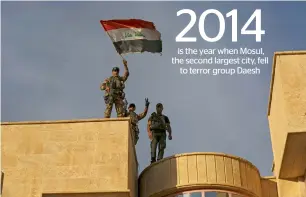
2, 179
269, 187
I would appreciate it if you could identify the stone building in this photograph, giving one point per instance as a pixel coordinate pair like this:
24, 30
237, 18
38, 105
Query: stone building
97, 158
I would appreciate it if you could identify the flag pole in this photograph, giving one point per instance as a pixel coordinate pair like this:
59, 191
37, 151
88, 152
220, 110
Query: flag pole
121, 56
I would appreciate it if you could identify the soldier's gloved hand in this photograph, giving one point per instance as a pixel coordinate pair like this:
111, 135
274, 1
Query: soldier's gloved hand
170, 137
124, 62
147, 102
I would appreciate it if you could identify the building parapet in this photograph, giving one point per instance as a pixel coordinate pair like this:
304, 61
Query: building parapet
193, 171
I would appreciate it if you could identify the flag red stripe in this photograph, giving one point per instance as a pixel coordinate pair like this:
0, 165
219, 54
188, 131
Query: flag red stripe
129, 23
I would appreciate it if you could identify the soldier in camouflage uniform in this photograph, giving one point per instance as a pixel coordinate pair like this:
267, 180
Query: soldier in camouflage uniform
135, 118
114, 94
157, 126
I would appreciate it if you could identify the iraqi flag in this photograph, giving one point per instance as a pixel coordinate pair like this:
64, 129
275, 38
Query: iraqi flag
133, 35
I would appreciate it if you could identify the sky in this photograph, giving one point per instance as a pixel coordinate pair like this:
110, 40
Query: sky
55, 55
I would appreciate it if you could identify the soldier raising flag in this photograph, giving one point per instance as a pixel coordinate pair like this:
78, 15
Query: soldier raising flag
128, 36
114, 94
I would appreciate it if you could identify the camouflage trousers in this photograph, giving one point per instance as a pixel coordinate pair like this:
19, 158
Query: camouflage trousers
158, 139
119, 105
135, 131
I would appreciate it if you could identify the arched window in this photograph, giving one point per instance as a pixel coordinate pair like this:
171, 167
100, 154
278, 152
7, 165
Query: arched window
207, 193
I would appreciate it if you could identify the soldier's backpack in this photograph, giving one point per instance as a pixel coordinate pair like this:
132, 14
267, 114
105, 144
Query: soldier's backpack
157, 122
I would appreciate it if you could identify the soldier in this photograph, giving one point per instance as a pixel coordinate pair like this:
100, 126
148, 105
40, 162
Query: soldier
157, 126
114, 94
135, 118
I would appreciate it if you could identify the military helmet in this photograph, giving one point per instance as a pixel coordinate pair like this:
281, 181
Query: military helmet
132, 105
116, 69
159, 105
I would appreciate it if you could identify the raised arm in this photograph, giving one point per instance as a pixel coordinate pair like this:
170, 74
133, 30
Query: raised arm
126, 71
144, 113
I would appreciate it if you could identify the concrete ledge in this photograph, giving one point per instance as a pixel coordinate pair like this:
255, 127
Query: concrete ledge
198, 153
268, 178
286, 113
269, 186
276, 54
90, 194
293, 162
65, 121
194, 171
68, 156
298, 52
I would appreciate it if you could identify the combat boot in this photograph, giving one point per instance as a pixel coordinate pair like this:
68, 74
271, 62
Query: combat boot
153, 160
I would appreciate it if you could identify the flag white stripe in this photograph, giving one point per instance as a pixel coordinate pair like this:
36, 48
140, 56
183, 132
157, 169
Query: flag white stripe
124, 34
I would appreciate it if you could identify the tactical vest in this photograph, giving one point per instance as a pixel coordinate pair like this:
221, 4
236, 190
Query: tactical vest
134, 118
157, 122
116, 83
116, 86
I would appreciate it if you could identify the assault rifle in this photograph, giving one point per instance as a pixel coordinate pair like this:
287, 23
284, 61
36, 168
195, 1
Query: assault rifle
111, 85
125, 107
